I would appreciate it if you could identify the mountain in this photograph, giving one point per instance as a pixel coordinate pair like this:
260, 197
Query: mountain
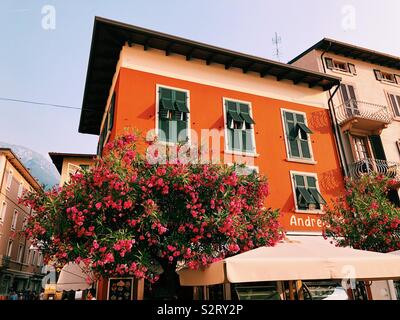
41, 168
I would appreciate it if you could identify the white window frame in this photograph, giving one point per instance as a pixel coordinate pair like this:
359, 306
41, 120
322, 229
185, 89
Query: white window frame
393, 81
9, 179
388, 93
288, 157
3, 212
169, 143
9, 247
20, 256
20, 189
253, 138
309, 174
38, 263
14, 219
33, 261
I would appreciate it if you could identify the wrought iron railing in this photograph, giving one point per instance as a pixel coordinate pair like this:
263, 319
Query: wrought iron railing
4, 261
359, 109
389, 169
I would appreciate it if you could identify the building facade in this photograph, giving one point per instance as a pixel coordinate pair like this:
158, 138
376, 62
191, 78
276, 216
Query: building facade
366, 107
271, 116
20, 262
366, 111
70, 163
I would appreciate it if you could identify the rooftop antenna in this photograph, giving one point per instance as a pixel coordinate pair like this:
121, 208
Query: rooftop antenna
277, 40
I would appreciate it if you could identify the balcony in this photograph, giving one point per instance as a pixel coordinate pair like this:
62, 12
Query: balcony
360, 115
389, 169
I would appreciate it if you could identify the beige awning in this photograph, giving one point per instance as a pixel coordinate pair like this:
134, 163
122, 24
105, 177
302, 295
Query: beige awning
297, 258
73, 277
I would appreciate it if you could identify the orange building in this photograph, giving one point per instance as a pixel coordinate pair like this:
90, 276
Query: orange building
272, 116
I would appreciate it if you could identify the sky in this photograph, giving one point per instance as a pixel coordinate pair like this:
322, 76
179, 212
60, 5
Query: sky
44, 61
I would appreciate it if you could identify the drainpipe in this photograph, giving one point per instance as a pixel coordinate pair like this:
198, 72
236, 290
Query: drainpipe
335, 126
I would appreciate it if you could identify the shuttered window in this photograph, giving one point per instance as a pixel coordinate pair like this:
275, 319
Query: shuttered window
395, 103
297, 135
240, 126
307, 195
173, 115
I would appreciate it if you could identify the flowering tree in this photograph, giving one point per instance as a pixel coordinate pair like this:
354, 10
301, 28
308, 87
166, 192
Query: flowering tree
364, 218
126, 216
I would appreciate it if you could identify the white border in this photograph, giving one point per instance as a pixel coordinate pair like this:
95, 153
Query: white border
158, 86
253, 138
122, 278
309, 174
288, 157
3, 206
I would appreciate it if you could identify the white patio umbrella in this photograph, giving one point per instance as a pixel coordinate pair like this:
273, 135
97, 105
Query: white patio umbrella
73, 277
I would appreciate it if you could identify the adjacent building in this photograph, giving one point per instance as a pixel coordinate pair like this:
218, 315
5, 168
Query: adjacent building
70, 163
20, 262
365, 108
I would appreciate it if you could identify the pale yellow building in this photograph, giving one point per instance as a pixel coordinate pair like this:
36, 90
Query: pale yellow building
70, 163
20, 262
365, 108
366, 112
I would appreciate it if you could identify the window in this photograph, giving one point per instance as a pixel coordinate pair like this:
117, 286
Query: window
173, 115
297, 135
342, 66
9, 248
306, 191
3, 211
20, 189
84, 166
239, 126
395, 103
39, 260
111, 113
9, 179
360, 148
387, 76
20, 253
33, 257
14, 220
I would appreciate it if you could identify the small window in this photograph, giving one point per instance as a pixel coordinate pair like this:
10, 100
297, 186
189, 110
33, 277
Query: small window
3, 211
240, 126
9, 247
387, 76
33, 257
395, 103
173, 115
14, 220
20, 189
297, 135
39, 260
9, 179
20, 253
342, 66
307, 195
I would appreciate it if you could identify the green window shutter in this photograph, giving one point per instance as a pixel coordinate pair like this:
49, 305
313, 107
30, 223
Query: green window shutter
304, 128
291, 134
247, 141
329, 63
317, 196
245, 113
237, 139
311, 182
181, 125
305, 149
378, 74
181, 101
306, 195
166, 99
164, 129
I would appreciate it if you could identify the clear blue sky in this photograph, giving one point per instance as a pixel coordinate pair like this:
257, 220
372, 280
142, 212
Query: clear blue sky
50, 65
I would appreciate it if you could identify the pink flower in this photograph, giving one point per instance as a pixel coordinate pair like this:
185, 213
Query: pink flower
128, 204
98, 205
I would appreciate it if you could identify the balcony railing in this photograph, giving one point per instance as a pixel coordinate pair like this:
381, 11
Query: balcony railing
360, 110
389, 169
